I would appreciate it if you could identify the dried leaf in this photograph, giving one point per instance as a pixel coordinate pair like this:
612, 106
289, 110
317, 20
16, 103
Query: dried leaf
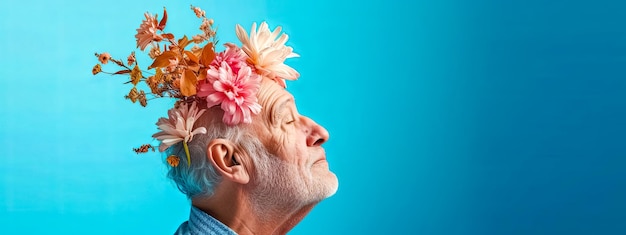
193, 67
208, 55
142, 98
168, 36
188, 83
202, 74
163, 60
125, 71
118, 62
163, 20
135, 75
183, 42
192, 57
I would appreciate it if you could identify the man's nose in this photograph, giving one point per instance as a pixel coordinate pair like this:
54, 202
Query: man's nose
316, 134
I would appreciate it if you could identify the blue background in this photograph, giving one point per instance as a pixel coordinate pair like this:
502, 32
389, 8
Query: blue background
446, 117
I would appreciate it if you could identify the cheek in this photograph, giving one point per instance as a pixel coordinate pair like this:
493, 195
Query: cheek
282, 144
292, 147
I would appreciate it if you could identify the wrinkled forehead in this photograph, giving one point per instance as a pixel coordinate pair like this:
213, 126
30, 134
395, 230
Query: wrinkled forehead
272, 98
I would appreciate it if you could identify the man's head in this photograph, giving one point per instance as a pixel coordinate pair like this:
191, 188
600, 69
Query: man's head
277, 159
235, 141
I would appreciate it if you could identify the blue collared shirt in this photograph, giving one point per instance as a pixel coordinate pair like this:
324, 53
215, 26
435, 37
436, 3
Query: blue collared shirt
201, 223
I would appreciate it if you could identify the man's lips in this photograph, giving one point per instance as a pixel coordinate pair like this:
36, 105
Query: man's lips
323, 159
321, 156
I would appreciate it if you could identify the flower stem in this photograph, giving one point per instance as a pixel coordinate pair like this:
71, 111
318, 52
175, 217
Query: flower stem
187, 152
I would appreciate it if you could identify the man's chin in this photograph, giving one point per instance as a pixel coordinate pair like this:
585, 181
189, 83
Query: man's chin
331, 185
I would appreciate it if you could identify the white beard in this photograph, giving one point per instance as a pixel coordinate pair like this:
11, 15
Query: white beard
279, 187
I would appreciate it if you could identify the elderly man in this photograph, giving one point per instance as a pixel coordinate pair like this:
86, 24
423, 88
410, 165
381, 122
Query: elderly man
260, 178
235, 142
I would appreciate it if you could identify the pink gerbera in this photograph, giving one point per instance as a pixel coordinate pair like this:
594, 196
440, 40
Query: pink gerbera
147, 32
236, 92
233, 56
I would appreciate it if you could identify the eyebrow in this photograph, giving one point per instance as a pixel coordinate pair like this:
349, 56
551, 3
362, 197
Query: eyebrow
280, 108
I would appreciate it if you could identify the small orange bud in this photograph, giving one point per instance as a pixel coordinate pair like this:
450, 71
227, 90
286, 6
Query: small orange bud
173, 160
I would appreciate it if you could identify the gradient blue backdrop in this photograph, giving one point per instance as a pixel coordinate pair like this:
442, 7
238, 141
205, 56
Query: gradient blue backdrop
446, 117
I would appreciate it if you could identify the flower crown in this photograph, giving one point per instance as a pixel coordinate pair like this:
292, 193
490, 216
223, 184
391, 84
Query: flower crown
230, 78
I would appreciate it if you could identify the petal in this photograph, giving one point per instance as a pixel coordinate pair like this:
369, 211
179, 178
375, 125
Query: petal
281, 40
168, 129
189, 123
255, 108
229, 107
171, 141
166, 137
228, 119
219, 86
247, 118
276, 32
180, 124
242, 34
163, 147
239, 100
199, 130
237, 117
198, 114
212, 74
214, 99
292, 55
286, 72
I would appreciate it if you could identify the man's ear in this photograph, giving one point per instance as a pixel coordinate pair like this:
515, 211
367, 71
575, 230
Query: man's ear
221, 153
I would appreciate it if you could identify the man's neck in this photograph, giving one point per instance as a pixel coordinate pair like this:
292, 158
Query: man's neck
237, 213
293, 220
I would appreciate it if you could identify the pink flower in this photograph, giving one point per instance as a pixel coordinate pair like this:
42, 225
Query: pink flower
155, 51
233, 56
147, 32
131, 58
178, 126
104, 58
234, 92
267, 52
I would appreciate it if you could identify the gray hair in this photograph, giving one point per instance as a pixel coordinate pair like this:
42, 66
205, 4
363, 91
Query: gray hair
200, 177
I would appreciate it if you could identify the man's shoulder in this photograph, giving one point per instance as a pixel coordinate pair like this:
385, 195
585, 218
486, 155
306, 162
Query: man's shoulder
202, 223
183, 229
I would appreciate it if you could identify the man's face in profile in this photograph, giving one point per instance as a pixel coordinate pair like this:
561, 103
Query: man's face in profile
296, 169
